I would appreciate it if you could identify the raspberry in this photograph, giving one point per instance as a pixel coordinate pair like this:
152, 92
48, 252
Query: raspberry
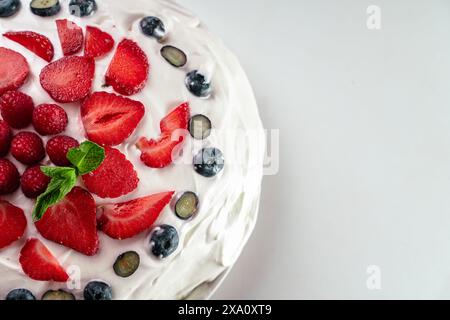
49, 119
57, 148
17, 109
27, 148
9, 177
34, 182
5, 138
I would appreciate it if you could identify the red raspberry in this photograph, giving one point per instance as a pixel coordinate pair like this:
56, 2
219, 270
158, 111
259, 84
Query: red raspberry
57, 148
34, 182
5, 138
9, 177
28, 148
49, 119
17, 109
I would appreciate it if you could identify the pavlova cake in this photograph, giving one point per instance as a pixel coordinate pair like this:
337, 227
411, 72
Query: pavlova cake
131, 152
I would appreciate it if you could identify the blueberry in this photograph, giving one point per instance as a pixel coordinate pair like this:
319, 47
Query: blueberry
97, 290
45, 8
197, 84
126, 264
209, 162
174, 56
58, 295
186, 205
153, 27
200, 127
82, 8
164, 241
9, 7
20, 294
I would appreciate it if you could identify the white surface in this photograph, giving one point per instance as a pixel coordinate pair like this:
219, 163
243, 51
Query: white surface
365, 146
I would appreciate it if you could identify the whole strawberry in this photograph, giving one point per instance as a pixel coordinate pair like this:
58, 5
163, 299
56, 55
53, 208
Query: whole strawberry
34, 182
9, 177
49, 119
5, 138
57, 148
27, 148
16, 109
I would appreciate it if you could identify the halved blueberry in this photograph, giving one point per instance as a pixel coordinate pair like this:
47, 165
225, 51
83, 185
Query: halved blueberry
153, 27
209, 162
58, 295
126, 264
45, 8
197, 84
200, 127
186, 205
20, 294
174, 56
9, 7
82, 8
97, 290
164, 241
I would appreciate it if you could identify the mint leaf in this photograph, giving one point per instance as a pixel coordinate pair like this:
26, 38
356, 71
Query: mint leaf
87, 157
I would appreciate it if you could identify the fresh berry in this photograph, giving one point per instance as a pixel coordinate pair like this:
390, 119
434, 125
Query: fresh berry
68, 79
9, 177
109, 119
70, 36
27, 148
129, 69
34, 182
58, 295
9, 7
125, 220
200, 127
72, 222
35, 42
97, 290
14, 70
197, 84
20, 294
49, 119
114, 178
5, 138
164, 241
82, 8
17, 109
177, 119
98, 43
12, 223
153, 27
209, 162
174, 56
186, 205
126, 264
39, 263
57, 148
45, 8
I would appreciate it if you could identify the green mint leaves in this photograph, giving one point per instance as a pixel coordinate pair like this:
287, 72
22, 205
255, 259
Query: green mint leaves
86, 158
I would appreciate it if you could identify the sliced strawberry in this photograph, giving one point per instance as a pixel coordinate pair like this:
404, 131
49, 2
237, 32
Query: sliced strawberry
129, 69
68, 79
39, 263
14, 70
12, 223
35, 42
109, 119
177, 119
70, 36
125, 220
72, 222
114, 178
98, 43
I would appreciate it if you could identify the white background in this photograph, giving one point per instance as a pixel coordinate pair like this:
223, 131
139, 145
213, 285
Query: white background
365, 146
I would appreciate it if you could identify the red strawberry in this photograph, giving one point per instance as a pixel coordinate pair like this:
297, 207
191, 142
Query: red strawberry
129, 69
98, 43
70, 36
109, 119
35, 42
14, 70
57, 148
34, 182
49, 119
27, 148
68, 79
17, 109
177, 119
72, 222
114, 178
12, 223
125, 220
39, 263
5, 138
9, 177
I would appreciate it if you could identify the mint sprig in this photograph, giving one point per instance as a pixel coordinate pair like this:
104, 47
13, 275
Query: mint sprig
86, 158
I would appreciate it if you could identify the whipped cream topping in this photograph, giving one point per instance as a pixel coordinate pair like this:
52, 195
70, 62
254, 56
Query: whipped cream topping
211, 242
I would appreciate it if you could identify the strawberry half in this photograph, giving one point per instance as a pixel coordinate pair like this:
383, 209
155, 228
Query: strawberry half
109, 119
98, 43
68, 79
39, 263
72, 222
12, 223
14, 70
129, 69
125, 220
35, 42
114, 178
70, 36
160, 153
